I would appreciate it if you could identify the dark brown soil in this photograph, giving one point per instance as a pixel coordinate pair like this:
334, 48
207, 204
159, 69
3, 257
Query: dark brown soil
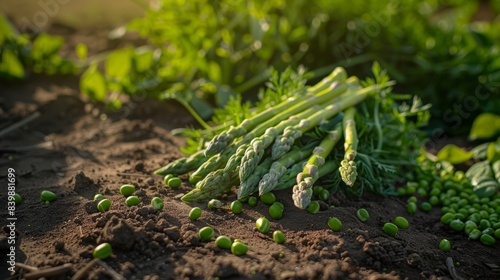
93, 152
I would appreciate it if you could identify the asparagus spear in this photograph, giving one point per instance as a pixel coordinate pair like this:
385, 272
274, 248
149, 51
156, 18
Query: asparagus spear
256, 150
183, 165
213, 163
348, 166
278, 168
222, 140
213, 184
289, 179
250, 185
310, 172
291, 133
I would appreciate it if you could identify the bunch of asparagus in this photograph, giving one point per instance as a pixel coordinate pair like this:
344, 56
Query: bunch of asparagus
275, 150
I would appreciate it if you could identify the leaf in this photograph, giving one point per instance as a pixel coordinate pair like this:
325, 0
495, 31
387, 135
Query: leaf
10, 65
485, 126
81, 51
454, 154
93, 84
493, 152
45, 46
118, 63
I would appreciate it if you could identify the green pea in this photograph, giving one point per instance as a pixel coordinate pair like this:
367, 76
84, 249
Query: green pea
411, 208
411, 187
223, 242
127, 190
422, 192
276, 211
362, 214
445, 245
434, 200
103, 251
206, 233
391, 229
104, 205
268, 198
239, 248
489, 231
263, 225
243, 199
460, 216
214, 204
98, 197
475, 217
313, 207
475, 234
496, 225
457, 225
426, 206
447, 218
317, 190
48, 196
335, 224
279, 237
497, 233
435, 192
401, 191
401, 222
174, 182
469, 226
195, 213
487, 239
167, 177
17, 198
484, 224
157, 203
132, 200
324, 195
252, 201
412, 199
236, 207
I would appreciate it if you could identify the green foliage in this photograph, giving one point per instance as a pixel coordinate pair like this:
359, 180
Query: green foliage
20, 54
485, 126
454, 154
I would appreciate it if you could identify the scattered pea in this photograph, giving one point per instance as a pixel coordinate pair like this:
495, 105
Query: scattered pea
17, 198
263, 225
412, 199
239, 248
167, 177
157, 203
268, 198
206, 233
195, 213
252, 201
104, 205
276, 211
401, 222
103, 251
132, 200
279, 237
223, 242
411, 208
426, 206
362, 214
335, 224
127, 190
487, 239
174, 182
280, 205
313, 207
445, 245
390, 229
475, 234
243, 199
457, 225
98, 197
236, 207
497, 233
214, 204
447, 218
324, 195
48, 196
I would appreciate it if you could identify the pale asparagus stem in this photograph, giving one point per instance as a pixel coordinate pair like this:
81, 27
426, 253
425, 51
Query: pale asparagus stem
225, 138
213, 184
250, 185
310, 172
234, 161
289, 179
183, 165
292, 133
270, 180
348, 165
213, 163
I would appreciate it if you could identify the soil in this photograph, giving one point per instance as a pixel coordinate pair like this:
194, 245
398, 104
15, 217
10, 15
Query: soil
76, 149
